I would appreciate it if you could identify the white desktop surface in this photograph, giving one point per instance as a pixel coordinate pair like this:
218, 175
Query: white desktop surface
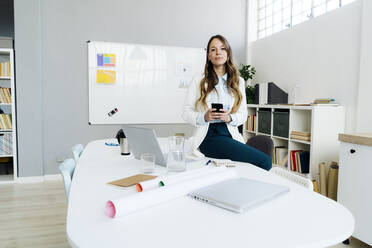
300, 218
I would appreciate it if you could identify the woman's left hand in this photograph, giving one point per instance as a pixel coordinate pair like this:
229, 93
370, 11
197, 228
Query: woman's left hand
224, 116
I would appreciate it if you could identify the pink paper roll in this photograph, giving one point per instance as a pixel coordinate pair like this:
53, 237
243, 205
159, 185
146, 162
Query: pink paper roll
110, 209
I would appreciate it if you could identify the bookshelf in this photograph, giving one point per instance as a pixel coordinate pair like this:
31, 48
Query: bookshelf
323, 122
8, 150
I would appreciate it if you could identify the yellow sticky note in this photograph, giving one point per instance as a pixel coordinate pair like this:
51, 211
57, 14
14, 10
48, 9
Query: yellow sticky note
106, 76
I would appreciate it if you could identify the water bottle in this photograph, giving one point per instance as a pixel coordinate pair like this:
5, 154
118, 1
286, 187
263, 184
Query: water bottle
123, 141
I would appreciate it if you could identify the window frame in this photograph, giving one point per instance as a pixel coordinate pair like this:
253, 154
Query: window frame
266, 13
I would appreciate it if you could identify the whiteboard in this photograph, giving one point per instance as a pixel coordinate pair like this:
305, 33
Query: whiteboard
139, 84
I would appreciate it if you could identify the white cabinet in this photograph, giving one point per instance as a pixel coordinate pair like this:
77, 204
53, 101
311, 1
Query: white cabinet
323, 122
355, 182
8, 141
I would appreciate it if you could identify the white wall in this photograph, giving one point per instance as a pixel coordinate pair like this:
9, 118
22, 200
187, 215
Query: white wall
322, 56
52, 70
364, 111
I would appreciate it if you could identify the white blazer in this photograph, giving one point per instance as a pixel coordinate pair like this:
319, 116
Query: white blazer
190, 114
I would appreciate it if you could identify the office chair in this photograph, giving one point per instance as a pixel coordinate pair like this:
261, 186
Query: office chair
67, 169
307, 183
77, 150
263, 143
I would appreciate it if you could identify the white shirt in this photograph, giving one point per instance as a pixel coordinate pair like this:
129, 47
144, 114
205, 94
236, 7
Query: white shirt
223, 95
190, 115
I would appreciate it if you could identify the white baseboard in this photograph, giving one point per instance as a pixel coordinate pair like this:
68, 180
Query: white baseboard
53, 177
39, 179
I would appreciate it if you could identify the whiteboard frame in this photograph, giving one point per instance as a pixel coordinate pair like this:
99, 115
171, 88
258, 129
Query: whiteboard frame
173, 97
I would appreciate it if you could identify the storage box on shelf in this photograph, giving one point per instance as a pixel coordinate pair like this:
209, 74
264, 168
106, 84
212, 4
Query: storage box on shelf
8, 156
308, 133
264, 121
281, 123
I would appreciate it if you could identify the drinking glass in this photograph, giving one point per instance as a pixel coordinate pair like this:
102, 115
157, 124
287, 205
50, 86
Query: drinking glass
147, 163
176, 161
176, 156
176, 143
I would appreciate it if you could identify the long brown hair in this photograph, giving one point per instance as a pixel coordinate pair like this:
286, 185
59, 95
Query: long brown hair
210, 79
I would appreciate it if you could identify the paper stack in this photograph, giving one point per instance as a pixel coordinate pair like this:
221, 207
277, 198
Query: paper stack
324, 101
299, 135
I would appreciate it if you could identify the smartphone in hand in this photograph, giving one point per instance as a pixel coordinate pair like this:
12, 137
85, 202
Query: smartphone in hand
217, 106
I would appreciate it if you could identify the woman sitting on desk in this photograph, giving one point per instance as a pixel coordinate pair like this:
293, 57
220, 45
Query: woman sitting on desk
216, 134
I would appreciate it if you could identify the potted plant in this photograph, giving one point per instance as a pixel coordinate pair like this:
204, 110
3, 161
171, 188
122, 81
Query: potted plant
247, 72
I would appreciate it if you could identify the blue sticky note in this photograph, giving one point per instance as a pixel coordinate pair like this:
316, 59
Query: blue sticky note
106, 60
100, 59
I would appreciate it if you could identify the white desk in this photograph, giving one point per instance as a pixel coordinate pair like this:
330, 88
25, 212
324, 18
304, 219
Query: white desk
300, 218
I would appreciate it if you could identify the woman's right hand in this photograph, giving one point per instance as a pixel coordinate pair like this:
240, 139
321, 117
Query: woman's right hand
210, 115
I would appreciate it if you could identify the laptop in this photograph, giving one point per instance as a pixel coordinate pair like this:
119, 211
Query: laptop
239, 194
143, 140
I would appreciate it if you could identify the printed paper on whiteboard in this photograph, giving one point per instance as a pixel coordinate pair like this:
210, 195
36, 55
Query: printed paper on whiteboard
105, 59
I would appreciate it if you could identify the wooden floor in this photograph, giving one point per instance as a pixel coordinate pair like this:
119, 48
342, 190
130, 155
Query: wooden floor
33, 215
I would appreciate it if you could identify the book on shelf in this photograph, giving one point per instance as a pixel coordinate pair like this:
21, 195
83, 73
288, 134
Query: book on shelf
5, 69
2, 97
8, 94
284, 161
5, 92
251, 123
2, 122
275, 156
8, 122
293, 160
5, 96
6, 144
280, 155
300, 161
5, 121
305, 161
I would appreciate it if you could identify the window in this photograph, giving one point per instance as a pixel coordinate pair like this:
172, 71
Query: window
276, 15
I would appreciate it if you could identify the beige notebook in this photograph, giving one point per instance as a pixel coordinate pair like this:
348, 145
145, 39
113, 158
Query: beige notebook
132, 180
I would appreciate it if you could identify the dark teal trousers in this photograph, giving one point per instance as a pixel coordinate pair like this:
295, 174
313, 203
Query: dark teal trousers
219, 144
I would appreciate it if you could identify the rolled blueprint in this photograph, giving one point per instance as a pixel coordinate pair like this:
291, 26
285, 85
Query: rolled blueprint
323, 178
333, 181
136, 202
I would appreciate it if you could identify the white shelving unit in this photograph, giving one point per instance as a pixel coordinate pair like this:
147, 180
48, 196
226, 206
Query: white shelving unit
8, 174
324, 122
